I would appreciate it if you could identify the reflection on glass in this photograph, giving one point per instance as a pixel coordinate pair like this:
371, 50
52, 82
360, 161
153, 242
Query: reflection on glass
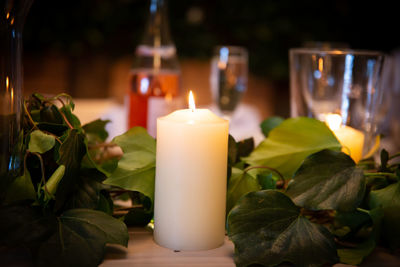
12, 18
229, 72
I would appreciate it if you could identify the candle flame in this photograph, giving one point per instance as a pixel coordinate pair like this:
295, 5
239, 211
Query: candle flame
333, 121
192, 106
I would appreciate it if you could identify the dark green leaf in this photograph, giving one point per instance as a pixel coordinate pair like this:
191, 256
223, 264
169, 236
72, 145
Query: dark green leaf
240, 184
328, 180
96, 131
266, 181
232, 150
388, 198
50, 114
354, 220
355, 256
269, 124
245, 147
115, 231
81, 238
136, 168
72, 119
268, 229
290, 143
86, 193
40, 142
21, 189
138, 217
71, 153
24, 225
384, 160
105, 203
57, 129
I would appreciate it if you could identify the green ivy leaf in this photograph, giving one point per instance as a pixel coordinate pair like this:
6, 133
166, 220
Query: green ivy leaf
96, 131
328, 180
240, 184
359, 221
81, 238
72, 119
41, 142
354, 256
105, 203
232, 150
50, 114
21, 189
268, 229
266, 181
353, 220
269, 124
290, 143
86, 193
388, 198
115, 231
136, 168
71, 153
384, 161
245, 147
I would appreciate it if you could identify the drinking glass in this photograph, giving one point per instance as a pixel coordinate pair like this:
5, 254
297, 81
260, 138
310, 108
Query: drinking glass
229, 71
337, 81
12, 19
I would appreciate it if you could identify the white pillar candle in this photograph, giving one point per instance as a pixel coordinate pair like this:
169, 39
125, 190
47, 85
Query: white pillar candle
352, 140
190, 186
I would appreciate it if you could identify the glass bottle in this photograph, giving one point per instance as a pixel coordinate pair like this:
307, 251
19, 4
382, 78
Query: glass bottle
12, 18
155, 74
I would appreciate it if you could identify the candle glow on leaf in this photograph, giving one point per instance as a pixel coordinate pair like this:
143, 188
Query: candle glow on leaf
333, 121
192, 105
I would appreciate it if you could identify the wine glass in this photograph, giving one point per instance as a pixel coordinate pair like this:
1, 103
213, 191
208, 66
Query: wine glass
229, 71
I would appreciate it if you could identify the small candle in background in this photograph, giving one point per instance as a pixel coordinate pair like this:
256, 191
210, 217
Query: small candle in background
351, 139
190, 186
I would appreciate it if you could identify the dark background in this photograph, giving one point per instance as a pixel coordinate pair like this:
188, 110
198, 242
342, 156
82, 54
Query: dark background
267, 28
82, 31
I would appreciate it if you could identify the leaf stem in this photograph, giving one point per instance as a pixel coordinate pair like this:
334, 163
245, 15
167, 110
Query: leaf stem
388, 174
60, 232
55, 136
62, 113
42, 169
281, 181
29, 115
366, 162
66, 120
394, 156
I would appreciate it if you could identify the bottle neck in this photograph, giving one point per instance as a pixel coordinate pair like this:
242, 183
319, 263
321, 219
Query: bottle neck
157, 33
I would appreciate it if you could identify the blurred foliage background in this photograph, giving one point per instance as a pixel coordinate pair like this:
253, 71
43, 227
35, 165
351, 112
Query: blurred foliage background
267, 28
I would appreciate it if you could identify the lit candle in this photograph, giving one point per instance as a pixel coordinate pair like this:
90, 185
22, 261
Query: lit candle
352, 140
190, 186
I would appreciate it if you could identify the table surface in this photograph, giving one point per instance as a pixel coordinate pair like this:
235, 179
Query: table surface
143, 251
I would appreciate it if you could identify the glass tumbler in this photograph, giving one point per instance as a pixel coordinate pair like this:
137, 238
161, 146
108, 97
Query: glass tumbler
229, 71
12, 18
340, 87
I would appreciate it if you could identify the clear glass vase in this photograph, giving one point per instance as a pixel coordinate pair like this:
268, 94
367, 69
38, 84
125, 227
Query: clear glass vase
12, 18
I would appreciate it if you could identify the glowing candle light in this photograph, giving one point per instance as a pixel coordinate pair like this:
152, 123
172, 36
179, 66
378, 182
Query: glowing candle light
351, 139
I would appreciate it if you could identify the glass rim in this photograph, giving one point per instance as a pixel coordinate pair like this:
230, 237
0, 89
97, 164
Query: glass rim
335, 51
